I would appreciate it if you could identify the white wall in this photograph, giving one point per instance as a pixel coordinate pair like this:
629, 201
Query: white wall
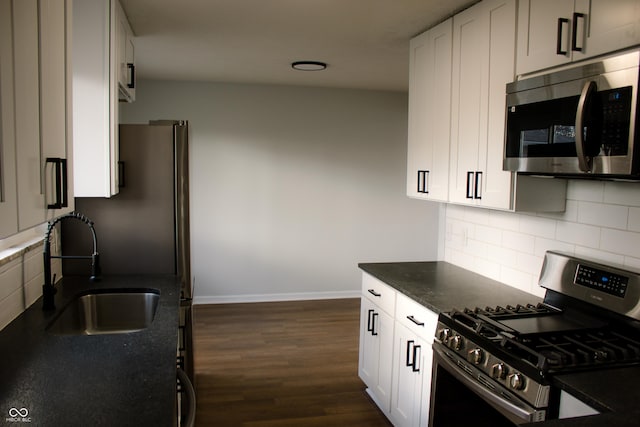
602, 221
291, 187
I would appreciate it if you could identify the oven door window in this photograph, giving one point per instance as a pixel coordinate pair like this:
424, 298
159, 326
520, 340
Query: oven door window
455, 405
460, 395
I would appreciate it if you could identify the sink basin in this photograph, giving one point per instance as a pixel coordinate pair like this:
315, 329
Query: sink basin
109, 311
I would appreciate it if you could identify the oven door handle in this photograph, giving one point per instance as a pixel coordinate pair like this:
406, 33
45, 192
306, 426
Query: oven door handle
518, 409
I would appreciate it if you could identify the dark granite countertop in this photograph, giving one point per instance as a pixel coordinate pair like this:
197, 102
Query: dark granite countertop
441, 286
97, 380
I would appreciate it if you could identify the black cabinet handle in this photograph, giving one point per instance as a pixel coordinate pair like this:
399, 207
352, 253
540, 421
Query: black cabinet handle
477, 192
561, 23
469, 185
369, 321
574, 35
423, 181
121, 174
373, 324
61, 185
416, 321
374, 293
415, 366
412, 353
408, 362
132, 75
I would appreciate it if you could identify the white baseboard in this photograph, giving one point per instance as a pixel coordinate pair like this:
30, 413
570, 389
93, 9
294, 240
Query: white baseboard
229, 299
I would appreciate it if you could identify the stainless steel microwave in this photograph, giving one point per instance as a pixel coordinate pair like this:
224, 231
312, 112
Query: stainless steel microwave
579, 121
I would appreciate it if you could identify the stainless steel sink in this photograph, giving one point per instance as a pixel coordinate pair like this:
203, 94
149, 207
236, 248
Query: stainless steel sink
112, 311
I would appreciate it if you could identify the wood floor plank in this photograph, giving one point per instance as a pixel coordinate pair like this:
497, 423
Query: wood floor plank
281, 364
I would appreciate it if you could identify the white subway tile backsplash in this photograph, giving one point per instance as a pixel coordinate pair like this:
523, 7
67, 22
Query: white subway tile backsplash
604, 215
491, 235
527, 263
543, 245
601, 221
501, 255
538, 226
622, 193
632, 263
517, 279
634, 219
518, 241
588, 191
504, 220
621, 242
579, 234
597, 254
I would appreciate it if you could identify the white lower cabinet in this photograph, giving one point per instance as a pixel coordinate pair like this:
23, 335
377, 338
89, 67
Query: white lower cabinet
395, 358
376, 339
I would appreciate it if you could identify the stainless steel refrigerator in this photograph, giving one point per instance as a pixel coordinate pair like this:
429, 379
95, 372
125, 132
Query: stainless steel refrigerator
145, 228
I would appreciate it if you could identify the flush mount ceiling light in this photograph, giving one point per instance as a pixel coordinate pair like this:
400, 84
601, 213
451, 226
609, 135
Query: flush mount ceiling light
309, 65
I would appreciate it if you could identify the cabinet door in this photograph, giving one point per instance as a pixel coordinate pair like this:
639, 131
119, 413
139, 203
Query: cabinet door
497, 184
95, 99
54, 105
27, 114
607, 25
429, 113
483, 63
540, 22
376, 351
8, 196
469, 91
408, 371
125, 56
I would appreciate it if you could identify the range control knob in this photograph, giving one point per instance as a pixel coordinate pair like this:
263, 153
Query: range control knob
444, 334
517, 381
456, 342
499, 371
475, 356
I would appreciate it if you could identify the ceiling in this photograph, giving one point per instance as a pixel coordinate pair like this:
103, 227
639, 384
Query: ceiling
364, 42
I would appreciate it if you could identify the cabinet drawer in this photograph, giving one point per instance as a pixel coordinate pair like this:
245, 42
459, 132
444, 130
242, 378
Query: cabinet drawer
419, 319
381, 294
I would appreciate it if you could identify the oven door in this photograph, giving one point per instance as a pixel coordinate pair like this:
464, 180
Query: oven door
462, 395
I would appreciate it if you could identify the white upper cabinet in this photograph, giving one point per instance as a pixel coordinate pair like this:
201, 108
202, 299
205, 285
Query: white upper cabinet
29, 160
483, 63
555, 32
125, 57
55, 105
8, 178
35, 119
429, 113
101, 77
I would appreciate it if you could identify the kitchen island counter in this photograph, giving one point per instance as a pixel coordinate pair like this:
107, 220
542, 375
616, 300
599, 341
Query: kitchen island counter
99, 380
441, 287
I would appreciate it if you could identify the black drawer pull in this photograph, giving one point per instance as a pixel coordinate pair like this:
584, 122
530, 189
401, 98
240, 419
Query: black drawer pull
374, 293
414, 320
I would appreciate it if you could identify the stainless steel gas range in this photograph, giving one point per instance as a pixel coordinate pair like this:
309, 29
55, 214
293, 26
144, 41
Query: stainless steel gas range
494, 366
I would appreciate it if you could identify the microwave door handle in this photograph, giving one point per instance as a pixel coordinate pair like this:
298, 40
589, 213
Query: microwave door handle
585, 162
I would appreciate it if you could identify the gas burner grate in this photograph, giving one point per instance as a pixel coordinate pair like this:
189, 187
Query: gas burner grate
519, 310
580, 349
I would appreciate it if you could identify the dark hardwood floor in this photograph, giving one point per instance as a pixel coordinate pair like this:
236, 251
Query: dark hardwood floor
280, 364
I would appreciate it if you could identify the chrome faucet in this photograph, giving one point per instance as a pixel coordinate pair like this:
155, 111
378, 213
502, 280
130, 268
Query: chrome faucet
48, 289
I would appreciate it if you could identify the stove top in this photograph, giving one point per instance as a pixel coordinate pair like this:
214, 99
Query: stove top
589, 319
